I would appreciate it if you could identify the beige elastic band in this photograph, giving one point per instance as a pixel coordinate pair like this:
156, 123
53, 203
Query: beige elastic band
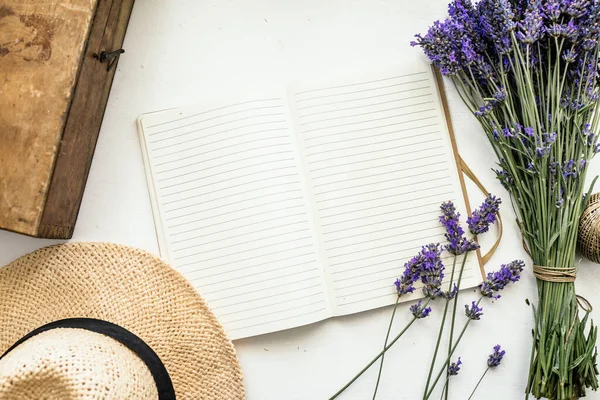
471, 175
462, 166
548, 274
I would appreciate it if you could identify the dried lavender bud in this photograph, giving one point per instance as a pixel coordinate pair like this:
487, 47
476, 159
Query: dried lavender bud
496, 357
474, 312
481, 219
420, 312
454, 367
457, 243
498, 280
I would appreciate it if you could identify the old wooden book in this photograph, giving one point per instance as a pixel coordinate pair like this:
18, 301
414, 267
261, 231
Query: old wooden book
57, 60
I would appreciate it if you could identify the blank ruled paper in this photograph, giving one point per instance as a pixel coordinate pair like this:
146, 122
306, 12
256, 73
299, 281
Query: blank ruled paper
379, 162
234, 216
283, 212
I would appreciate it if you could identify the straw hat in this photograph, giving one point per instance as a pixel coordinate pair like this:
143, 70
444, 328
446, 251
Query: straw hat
103, 321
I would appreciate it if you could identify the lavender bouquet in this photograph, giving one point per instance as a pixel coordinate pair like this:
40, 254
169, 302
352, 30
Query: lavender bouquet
528, 70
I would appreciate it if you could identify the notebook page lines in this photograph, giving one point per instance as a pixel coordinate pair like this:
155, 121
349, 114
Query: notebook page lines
234, 213
379, 164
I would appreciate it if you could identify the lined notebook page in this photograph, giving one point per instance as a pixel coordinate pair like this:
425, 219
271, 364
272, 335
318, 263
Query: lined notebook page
379, 163
232, 215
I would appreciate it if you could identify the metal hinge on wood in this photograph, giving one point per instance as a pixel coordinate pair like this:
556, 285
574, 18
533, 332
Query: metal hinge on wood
109, 57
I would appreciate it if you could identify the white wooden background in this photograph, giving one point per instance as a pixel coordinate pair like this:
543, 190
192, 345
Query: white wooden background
184, 50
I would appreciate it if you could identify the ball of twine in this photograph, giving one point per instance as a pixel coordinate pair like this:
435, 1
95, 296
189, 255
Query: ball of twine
589, 230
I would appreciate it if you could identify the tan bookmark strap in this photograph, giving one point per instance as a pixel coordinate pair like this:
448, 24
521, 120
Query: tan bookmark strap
584, 303
471, 175
551, 274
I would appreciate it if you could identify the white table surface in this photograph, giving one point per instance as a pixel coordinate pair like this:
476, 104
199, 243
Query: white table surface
180, 51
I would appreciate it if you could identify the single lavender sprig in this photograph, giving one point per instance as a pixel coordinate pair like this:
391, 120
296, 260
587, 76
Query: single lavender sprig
454, 367
450, 293
458, 244
478, 222
419, 311
481, 219
497, 281
474, 312
455, 235
428, 266
432, 271
493, 361
496, 357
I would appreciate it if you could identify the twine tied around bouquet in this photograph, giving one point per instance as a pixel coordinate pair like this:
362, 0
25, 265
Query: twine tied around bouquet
588, 239
566, 274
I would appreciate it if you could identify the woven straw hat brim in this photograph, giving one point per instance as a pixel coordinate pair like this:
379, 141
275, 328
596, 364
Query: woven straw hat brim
130, 288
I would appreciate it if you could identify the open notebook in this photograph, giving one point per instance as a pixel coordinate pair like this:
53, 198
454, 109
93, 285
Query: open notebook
287, 210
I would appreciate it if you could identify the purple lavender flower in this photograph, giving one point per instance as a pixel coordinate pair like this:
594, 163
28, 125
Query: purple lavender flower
589, 138
454, 367
428, 256
457, 242
497, 281
549, 138
426, 265
474, 312
569, 56
481, 219
451, 293
496, 19
432, 271
589, 44
405, 285
529, 131
485, 109
544, 144
509, 133
441, 44
552, 10
468, 50
454, 44
500, 95
542, 152
411, 274
577, 8
553, 167
567, 31
531, 28
569, 170
560, 201
505, 178
496, 357
494, 133
418, 311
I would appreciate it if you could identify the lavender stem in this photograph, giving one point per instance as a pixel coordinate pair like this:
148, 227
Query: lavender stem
387, 336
